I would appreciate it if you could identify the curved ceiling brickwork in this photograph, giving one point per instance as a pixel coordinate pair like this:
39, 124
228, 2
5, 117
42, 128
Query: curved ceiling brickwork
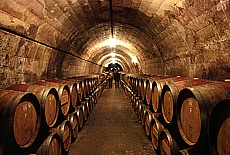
82, 24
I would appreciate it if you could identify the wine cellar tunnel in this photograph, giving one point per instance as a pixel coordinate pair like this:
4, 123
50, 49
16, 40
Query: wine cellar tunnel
50, 42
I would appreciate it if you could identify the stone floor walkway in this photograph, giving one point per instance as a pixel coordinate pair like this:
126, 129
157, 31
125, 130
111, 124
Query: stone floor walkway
112, 129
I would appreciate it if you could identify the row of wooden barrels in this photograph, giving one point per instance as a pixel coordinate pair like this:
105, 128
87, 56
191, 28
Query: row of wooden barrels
182, 115
44, 117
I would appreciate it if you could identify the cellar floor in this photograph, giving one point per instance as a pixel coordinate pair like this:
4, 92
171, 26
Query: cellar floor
112, 129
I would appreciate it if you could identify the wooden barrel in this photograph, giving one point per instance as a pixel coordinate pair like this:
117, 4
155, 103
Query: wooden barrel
80, 116
93, 97
98, 92
138, 86
73, 119
132, 82
64, 132
135, 105
84, 109
91, 84
96, 96
78, 86
167, 144
149, 88
20, 112
95, 82
194, 106
48, 99
157, 90
51, 146
155, 131
89, 104
170, 93
80, 91
148, 121
72, 88
135, 85
219, 128
139, 106
85, 87
63, 93
73, 93
144, 112
134, 100
144, 83
93, 100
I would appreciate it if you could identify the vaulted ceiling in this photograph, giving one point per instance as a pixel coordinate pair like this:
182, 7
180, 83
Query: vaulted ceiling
135, 26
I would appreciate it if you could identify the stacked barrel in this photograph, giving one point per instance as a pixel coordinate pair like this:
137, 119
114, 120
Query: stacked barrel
45, 117
182, 115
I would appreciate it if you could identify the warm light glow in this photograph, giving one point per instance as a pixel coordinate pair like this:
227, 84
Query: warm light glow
124, 46
113, 55
134, 59
112, 42
113, 60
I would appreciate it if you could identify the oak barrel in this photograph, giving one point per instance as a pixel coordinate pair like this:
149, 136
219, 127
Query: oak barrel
155, 131
219, 128
48, 99
144, 83
148, 121
148, 91
85, 87
84, 106
135, 85
157, 90
51, 145
144, 80
99, 91
72, 88
80, 91
72, 118
144, 112
194, 107
170, 93
139, 106
64, 132
138, 86
20, 112
149, 88
89, 104
80, 116
167, 144
63, 93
